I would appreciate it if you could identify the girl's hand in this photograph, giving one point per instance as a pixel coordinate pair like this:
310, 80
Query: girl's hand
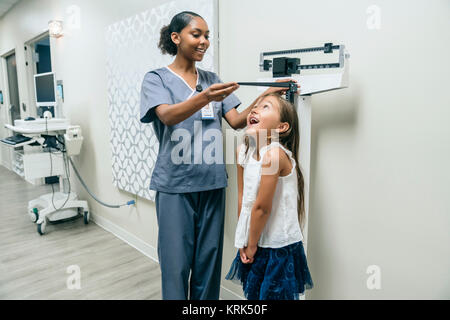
249, 253
280, 90
243, 256
219, 91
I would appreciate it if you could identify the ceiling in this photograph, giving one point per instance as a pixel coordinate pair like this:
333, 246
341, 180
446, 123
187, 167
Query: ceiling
5, 5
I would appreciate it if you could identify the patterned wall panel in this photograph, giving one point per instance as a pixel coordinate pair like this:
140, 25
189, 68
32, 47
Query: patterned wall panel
131, 52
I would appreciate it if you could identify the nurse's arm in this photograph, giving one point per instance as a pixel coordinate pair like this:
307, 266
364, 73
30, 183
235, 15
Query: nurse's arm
175, 113
238, 120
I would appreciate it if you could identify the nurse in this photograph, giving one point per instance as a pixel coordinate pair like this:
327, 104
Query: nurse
185, 105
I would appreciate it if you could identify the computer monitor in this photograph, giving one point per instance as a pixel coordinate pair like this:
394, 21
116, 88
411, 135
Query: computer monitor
45, 89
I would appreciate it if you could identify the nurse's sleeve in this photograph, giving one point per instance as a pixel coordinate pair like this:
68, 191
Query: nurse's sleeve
153, 94
229, 102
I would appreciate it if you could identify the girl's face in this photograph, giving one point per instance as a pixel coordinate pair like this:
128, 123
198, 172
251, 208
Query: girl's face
265, 115
193, 40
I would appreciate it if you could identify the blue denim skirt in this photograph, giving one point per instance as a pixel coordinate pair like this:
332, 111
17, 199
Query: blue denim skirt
275, 274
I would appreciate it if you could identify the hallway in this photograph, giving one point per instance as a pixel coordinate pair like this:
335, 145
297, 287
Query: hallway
36, 267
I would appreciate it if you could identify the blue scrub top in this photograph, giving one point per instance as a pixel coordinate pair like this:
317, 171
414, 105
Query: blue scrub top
163, 86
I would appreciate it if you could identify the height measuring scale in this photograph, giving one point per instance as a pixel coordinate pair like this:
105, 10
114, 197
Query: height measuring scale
325, 75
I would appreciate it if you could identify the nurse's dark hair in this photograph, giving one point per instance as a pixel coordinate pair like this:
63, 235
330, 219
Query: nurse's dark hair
178, 23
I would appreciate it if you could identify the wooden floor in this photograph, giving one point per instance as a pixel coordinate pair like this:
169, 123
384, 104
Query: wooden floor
36, 267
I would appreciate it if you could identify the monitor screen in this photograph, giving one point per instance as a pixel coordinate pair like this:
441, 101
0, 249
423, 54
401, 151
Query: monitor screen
45, 88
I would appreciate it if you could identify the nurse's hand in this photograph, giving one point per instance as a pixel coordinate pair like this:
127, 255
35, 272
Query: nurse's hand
281, 90
219, 91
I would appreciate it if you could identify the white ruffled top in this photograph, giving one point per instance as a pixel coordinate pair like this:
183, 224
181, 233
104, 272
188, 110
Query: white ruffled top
282, 227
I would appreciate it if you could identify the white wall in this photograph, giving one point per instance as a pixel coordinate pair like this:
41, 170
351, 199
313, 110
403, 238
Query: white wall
380, 149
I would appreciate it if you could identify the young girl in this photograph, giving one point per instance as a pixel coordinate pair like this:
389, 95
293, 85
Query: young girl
271, 262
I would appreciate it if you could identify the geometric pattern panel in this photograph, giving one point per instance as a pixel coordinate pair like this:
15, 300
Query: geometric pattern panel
131, 51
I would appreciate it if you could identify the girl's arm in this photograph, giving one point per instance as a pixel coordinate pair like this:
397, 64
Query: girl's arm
240, 180
274, 162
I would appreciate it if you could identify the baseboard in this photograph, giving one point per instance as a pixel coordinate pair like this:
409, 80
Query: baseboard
126, 236
226, 294
6, 166
146, 249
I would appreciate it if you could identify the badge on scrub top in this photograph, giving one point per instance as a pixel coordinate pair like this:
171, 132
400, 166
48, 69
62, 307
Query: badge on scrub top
208, 112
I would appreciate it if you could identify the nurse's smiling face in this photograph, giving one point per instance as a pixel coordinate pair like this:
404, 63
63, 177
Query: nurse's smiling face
193, 40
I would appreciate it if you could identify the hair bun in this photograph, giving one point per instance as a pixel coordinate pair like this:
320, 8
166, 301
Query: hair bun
166, 44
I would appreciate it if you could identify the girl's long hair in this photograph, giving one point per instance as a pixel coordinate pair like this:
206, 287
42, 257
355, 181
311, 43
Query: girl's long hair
290, 139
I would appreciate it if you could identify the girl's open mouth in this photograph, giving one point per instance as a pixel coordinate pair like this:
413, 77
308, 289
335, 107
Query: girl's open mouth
253, 121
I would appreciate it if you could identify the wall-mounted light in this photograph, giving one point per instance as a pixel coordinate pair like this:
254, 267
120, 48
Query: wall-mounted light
55, 28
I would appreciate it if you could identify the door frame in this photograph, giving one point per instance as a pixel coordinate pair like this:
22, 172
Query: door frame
6, 156
4, 71
31, 68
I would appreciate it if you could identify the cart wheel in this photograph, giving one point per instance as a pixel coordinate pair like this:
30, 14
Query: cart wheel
41, 228
86, 217
34, 215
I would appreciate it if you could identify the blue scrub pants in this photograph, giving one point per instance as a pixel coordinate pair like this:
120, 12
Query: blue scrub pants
190, 239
